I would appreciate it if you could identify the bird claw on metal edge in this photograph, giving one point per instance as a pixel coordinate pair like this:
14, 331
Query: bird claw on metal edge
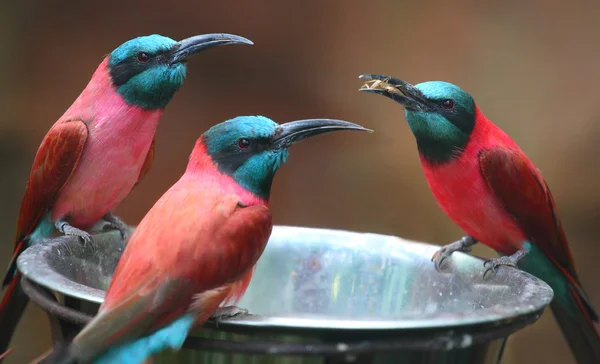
494, 263
227, 312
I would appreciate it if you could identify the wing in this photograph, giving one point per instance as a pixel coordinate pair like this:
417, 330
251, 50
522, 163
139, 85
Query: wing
147, 162
56, 159
525, 195
185, 253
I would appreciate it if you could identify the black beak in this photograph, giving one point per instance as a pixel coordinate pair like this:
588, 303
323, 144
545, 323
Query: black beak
192, 45
397, 90
292, 132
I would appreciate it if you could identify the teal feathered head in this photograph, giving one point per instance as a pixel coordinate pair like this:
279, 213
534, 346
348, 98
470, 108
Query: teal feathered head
252, 148
440, 115
148, 70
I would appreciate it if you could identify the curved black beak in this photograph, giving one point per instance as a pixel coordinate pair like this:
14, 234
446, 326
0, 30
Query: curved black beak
292, 132
397, 90
192, 45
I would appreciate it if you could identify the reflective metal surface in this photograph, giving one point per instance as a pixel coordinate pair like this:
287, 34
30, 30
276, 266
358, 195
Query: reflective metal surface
325, 279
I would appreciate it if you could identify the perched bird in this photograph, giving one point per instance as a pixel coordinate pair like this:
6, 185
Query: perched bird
196, 246
486, 184
99, 149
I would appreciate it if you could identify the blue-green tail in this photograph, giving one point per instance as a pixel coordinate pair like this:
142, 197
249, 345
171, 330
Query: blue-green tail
571, 307
135, 352
14, 301
169, 337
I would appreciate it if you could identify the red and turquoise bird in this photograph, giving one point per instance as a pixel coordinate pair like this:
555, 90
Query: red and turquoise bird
486, 184
100, 148
196, 246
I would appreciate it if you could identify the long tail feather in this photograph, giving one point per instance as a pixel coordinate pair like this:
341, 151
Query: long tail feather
12, 307
571, 307
12, 267
578, 329
14, 301
141, 350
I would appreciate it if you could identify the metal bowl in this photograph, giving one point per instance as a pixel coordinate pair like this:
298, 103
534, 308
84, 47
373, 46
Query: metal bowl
370, 295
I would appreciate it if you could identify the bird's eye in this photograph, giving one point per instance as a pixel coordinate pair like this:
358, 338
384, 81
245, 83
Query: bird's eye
244, 143
448, 104
143, 57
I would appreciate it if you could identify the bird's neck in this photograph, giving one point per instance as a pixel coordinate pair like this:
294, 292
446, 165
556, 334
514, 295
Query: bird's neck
484, 135
100, 105
202, 168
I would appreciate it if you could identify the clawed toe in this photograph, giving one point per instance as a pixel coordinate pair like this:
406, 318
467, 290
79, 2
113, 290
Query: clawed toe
439, 257
85, 237
462, 245
227, 312
109, 227
124, 233
67, 229
493, 264
115, 223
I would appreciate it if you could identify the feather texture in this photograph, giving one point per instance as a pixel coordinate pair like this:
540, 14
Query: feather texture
193, 250
496, 195
87, 163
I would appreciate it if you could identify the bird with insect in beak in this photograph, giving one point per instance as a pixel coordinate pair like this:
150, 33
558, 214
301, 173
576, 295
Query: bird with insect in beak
100, 148
196, 247
486, 184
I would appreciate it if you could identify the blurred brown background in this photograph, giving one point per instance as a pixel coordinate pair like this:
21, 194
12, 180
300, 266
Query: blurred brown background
532, 67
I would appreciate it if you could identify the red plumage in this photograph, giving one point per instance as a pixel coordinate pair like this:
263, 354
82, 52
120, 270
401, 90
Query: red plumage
497, 196
194, 250
486, 184
54, 163
82, 170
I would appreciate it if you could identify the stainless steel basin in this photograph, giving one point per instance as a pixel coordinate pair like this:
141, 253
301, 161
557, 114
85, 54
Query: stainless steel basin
370, 297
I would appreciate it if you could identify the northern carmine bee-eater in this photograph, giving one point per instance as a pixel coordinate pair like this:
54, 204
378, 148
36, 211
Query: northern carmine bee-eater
99, 149
196, 246
486, 184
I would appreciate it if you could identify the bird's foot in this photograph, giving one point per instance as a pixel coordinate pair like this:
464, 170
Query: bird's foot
65, 228
227, 312
115, 223
508, 261
464, 244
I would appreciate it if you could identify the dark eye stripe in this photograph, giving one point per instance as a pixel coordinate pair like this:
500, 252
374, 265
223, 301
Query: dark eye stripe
228, 159
460, 117
131, 67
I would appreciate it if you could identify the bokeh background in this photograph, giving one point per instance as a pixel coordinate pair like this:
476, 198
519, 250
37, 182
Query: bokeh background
532, 67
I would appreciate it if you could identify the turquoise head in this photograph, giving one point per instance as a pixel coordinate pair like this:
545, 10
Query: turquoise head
148, 70
440, 115
252, 148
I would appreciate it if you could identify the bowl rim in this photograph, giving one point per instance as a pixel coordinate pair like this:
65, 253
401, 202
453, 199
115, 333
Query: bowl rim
42, 274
